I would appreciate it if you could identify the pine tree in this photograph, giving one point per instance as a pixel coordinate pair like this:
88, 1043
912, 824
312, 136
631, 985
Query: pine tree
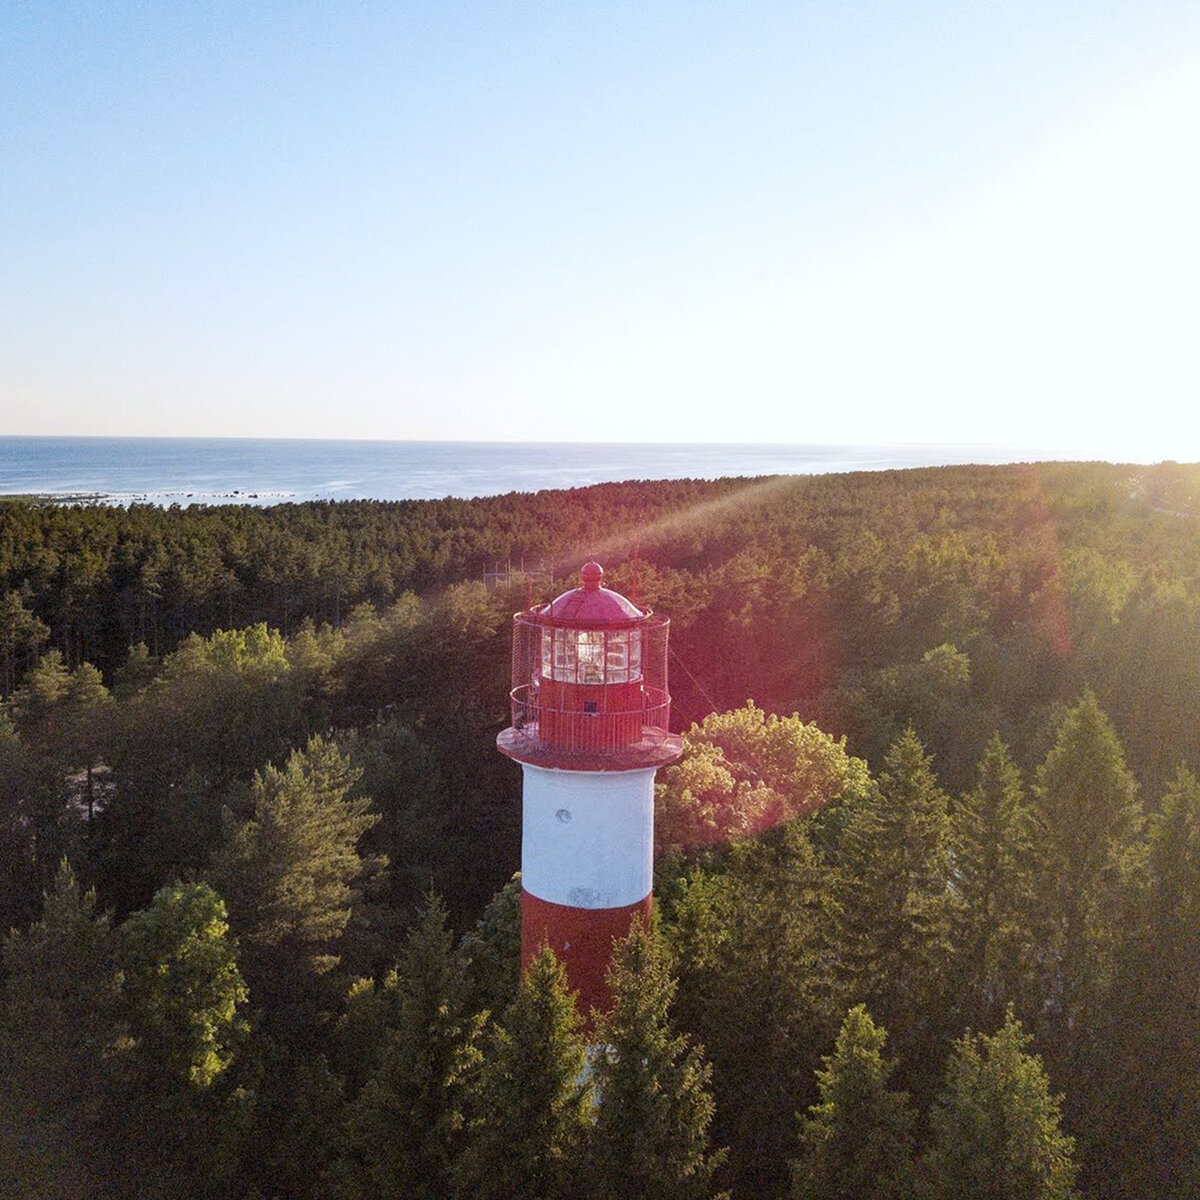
651, 1132
86, 717
291, 1140
856, 1143
896, 909
20, 896
993, 834
533, 1099
290, 873
406, 1127
39, 707
20, 632
493, 948
995, 1126
1141, 1134
36, 702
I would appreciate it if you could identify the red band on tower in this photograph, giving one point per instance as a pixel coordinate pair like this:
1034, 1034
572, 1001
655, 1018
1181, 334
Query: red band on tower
582, 940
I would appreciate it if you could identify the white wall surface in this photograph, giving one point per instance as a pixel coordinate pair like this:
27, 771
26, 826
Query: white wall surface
587, 836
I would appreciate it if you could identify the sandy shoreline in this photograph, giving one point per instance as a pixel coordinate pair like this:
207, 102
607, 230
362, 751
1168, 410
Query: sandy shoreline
161, 499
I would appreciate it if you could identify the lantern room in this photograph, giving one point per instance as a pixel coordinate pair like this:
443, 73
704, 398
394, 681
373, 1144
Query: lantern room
589, 682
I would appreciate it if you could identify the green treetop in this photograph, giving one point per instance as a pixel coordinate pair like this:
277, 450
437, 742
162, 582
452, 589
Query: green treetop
20, 633
745, 771
1088, 805
651, 1131
752, 937
856, 1143
993, 835
406, 1126
533, 1100
995, 1126
182, 984
1138, 1131
290, 872
62, 1034
896, 909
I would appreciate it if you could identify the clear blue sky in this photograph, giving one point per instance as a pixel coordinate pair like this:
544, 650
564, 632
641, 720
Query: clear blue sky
796, 222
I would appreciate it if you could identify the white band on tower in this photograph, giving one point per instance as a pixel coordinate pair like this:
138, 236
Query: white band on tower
588, 836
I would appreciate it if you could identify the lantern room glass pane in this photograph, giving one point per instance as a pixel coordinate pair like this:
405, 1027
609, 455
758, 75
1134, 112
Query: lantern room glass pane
591, 656
564, 655
589, 652
616, 658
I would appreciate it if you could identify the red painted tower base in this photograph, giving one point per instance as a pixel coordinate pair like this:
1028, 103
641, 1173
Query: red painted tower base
584, 947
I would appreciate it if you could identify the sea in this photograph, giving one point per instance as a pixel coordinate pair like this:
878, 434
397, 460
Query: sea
262, 471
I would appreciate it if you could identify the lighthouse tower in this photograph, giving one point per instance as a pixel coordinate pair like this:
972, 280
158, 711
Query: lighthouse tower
590, 711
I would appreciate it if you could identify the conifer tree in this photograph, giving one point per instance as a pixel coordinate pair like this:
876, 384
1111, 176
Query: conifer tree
993, 837
995, 1126
40, 712
493, 948
86, 717
290, 873
361, 1031
20, 897
533, 1100
406, 1127
856, 1143
1089, 810
1141, 1135
20, 632
651, 1132
290, 1136
752, 945
62, 1032
895, 930
37, 701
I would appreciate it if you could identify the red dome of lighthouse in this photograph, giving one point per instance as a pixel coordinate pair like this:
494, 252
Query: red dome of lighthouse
591, 603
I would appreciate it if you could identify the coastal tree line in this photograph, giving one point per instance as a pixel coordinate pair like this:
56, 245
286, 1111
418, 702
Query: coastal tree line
964, 598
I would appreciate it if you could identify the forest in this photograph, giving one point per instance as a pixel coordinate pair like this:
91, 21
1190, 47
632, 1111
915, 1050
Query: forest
927, 884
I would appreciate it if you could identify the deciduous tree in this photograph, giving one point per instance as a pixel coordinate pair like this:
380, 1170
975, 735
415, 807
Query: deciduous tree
746, 771
182, 986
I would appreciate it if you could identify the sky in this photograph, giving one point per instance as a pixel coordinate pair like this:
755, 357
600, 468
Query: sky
874, 222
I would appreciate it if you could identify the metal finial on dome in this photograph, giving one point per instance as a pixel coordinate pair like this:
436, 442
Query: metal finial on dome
591, 575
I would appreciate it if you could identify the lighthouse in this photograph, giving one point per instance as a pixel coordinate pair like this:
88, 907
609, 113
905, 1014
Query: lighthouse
590, 719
